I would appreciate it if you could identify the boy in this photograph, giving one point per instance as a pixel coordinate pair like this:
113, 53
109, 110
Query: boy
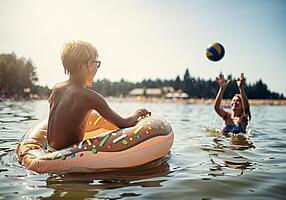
71, 103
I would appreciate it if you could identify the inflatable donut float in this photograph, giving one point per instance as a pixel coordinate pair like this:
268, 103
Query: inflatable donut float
104, 147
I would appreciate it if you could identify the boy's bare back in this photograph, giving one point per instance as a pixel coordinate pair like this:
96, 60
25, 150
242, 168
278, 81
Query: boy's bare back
68, 114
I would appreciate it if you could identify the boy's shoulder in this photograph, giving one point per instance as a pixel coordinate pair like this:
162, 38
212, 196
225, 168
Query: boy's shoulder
58, 86
72, 89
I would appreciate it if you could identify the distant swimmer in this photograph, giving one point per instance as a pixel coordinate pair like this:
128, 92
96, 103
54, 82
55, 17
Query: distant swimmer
237, 120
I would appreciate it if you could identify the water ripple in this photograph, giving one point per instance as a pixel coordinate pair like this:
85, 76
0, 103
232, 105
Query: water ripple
202, 164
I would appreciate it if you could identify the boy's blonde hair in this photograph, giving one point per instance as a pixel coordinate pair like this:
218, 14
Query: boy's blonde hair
77, 53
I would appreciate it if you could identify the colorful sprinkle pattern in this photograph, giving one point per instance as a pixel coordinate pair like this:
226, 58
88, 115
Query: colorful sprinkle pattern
110, 141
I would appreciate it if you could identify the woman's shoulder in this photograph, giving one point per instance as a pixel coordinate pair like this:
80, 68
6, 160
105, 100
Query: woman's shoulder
244, 118
227, 116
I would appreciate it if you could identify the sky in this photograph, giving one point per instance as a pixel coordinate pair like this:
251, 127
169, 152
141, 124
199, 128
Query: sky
140, 39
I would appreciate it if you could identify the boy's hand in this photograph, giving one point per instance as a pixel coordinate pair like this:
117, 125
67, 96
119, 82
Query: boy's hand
141, 112
137, 115
221, 81
240, 81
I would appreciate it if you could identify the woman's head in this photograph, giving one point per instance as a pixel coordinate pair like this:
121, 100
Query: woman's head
236, 104
237, 107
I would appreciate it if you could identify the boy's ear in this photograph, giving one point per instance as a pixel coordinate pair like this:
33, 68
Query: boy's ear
89, 63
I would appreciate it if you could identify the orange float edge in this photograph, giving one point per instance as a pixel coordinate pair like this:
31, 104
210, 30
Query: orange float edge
104, 147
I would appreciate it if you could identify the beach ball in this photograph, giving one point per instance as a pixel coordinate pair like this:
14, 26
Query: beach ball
215, 51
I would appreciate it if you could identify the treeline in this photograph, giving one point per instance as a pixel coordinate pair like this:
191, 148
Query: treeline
194, 87
18, 78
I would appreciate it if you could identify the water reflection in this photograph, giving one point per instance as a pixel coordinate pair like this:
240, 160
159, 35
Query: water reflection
240, 142
223, 164
223, 153
150, 175
232, 141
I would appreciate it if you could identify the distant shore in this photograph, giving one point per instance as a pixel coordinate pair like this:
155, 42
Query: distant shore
274, 102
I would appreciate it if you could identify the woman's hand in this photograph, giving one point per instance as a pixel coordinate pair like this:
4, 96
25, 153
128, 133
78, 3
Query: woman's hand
222, 82
240, 81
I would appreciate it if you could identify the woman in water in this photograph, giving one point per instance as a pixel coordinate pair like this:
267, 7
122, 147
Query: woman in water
237, 120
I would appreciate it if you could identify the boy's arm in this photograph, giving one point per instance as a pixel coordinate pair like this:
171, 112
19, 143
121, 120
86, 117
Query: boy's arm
97, 102
221, 82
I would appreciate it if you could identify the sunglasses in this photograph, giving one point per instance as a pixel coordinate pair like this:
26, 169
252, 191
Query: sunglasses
98, 63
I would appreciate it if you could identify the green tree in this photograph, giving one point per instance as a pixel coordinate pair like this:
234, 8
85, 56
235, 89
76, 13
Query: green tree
187, 83
16, 74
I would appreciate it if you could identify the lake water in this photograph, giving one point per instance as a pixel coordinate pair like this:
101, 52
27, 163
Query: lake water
201, 165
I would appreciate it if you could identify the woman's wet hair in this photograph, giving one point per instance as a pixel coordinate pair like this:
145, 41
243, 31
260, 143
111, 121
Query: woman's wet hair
247, 110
